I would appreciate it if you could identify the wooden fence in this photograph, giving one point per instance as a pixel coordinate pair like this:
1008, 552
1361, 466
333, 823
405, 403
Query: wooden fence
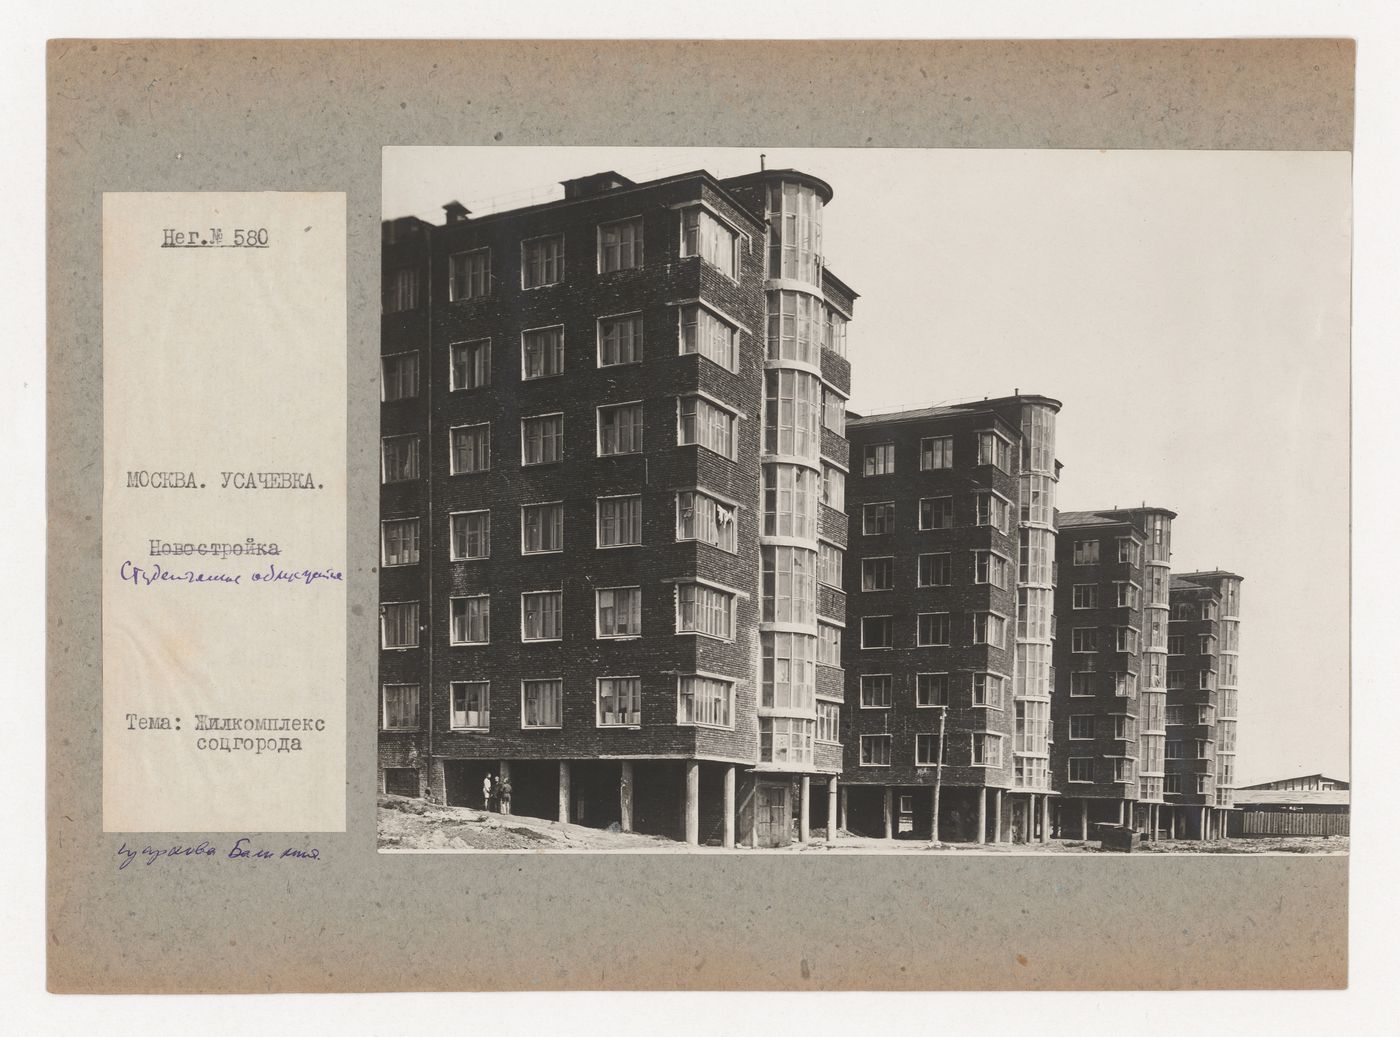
1246, 823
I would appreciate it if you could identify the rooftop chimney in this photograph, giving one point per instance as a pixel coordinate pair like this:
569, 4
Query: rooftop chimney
456, 211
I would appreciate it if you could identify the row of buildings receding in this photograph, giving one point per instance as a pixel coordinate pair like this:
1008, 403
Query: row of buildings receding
637, 557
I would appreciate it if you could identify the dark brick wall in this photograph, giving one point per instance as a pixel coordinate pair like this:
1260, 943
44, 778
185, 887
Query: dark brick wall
1192, 696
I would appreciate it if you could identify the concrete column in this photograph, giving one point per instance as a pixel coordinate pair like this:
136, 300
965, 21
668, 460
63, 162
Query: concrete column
889, 812
1044, 819
727, 836
564, 790
844, 827
692, 802
1084, 819
1171, 823
804, 811
996, 817
1122, 811
982, 814
625, 796
831, 809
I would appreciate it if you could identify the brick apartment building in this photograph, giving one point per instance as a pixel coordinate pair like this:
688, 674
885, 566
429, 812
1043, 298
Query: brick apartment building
950, 586
1110, 703
613, 467
1203, 672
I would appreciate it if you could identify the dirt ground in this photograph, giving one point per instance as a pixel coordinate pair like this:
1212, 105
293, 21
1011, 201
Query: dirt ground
414, 825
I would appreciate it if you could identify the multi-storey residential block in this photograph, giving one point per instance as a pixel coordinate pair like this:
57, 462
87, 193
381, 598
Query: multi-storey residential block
950, 587
1202, 701
1110, 705
613, 462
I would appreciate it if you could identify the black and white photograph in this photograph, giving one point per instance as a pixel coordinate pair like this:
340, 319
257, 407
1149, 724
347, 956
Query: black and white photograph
863, 501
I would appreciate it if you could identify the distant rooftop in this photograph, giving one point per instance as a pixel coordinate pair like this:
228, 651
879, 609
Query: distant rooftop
949, 408
1107, 516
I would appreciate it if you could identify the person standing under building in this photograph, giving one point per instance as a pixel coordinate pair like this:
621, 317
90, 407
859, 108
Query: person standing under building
503, 795
488, 788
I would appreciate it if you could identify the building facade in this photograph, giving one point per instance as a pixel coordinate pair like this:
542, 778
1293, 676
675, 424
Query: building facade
613, 460
950, 593
1203, 701
1110, 703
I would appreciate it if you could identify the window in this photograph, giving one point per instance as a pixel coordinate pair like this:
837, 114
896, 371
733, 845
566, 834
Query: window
795, 327
471, 706
704, 610
471, 449
1176, 644
789, 501
1127, 639
877, 518
1129, 550
1202, 749
935, 628
925, 755
830, 560
619, 701
930, 689
1081, 685
1125, 683
1203, 680
471, 364
620, 245
1208, 610
1207, 646
704, 424
704, 701
828, 722
542, 261
541, 528
1086, 552
399, 541
1083, 639
1205, 715
789, 584
834, 412
710, 336
989, 629
1081, 726
991, 568
1122, 769
469, 275
619, 521
398, 624
620, 612
1124, 728
879, 459
541, 353
828, 644
401, 291
542, 703
705, 236
620, 429
1086, 595
471, 535
1081, 768
400, 376
833, 487
986, 750
700, 517
994, 449
400, 458
877, 632
542, 439
1171, 784
877, 574
793, 401
988, 689
1202, 784
875, 691
1173, 716
936, 513
875, 750
993, 511
785, 740
836, 327
471, 620
935, 570
936, 452
542, 616
1173, 749
620, 340
400, 707
1127, 595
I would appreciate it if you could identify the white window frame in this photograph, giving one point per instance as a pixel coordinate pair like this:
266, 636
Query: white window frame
707, 210
542, 727
384, 707
598, 703
639, 341
598, 521
865, 583
451, 620
417, 456
452, 468
562, 522
1084, 545
707, 400
384, 396
1069, 770
865, 518
876, 648
417, 541
888, 678
717, 502
931, 501
541, 640
452, 704
947, 689
1088, 719
639, 435
919, 642
1076, 603
714, 588
936, 454
872, 453
718, 317
453, 556
988, 738
418, 627
888, 741
525, 375
452, 295
524, 463
729, 685
525, 265
638, 248
919, 571
598, 610
1074, 640
463, 344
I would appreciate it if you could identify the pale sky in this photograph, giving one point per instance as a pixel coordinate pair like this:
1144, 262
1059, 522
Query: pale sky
1190, 309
